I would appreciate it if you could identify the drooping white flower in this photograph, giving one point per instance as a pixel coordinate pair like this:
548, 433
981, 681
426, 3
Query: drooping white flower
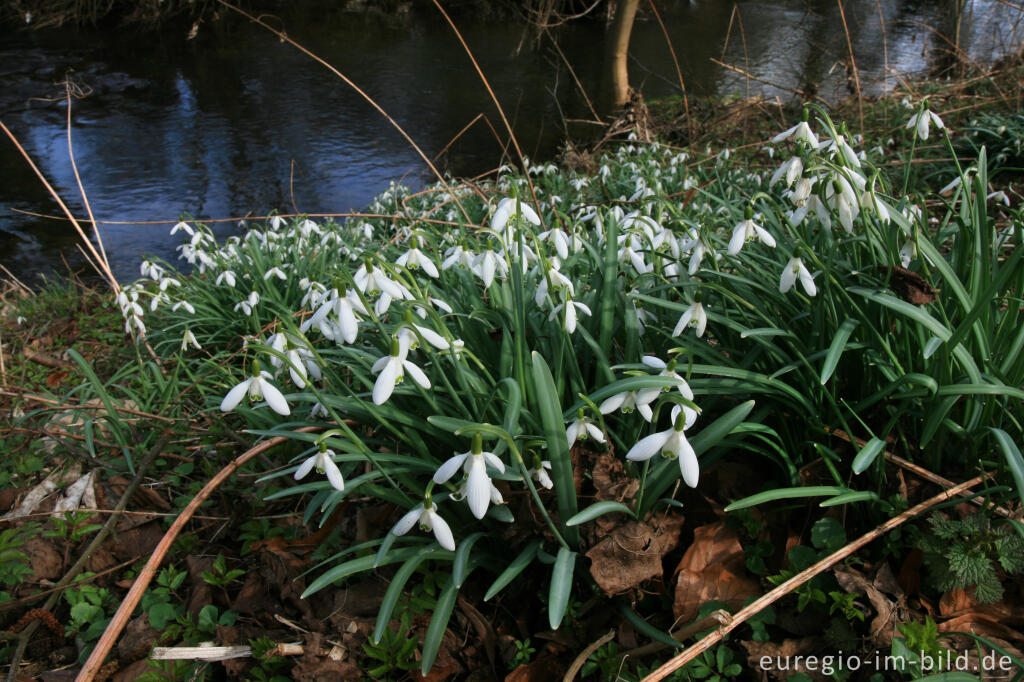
324, 464
258, 387
227, 277
429, 520
457, 255
572, 310
414, 258
668, 370
747, 230
539, 473
247, 305
627, 401
274, 272
790, 171
795, 269
337, 317
184, 305
922, 121
908, 252
582, 428
478, 488
189, 339
695, 317
391, 369
671, 443
562, 241
801, 131
506, 209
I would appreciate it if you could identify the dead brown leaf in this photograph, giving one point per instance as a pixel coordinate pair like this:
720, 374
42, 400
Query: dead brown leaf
44, 560
713, 568
632, 552
887, 611
544, 669
612, 481
908, 285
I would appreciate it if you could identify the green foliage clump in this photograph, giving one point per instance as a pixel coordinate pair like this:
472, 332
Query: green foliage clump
970, 552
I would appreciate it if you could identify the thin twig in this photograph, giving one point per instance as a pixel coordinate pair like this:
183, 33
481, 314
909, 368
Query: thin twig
572, 72
494, 98
802, 577
581, 659
68, 406
853, 63
106, 273
98, 540
148, 572
309, 53
675, 60
751, 76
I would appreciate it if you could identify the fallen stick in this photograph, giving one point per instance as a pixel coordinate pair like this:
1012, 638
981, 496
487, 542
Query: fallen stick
46, 360
802, 577
148, 572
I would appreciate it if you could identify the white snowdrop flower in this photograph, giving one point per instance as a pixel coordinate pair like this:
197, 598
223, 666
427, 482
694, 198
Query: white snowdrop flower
553, 281
258, 387
999, 196
539, 473
671, 443
189, 339
572, 310
457, 255
184, 305
408, 340
274, 272
747, 230
478, 484
908, 252
183, 226
248, 304
627, 402
789, 170
695, 317
428, 519
487, 265
158, 298
277, 222
390, 370
414, 258
227, 277
562, 241
324, 463
168, 282
506, 209
801, 132
668, 370
922, 121
583, 427
795, 269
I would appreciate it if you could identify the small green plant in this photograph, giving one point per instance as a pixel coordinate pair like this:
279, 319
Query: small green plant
157, 602
919, 649
970, 552
220, 576
14, 565
88, 610
72, 527
714, 666
396, 650
606, 663
843, 602
524, 653
268, 668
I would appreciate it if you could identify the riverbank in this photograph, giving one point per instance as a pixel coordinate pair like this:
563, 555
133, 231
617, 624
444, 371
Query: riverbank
825, 389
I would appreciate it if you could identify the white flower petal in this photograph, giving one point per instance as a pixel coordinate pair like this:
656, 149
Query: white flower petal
235, 396
648, 447
448, 469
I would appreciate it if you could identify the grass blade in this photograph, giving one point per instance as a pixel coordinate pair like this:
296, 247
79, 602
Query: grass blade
550, 412
518, 565
438, 624
787, 494
836, 348
867, 455
1014, 461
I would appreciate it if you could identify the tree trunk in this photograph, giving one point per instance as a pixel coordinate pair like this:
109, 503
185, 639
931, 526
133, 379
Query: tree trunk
619, 50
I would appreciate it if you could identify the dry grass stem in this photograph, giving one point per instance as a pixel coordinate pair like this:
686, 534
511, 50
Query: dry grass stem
785, 588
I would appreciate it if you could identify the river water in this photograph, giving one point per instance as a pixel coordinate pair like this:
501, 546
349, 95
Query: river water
235, 122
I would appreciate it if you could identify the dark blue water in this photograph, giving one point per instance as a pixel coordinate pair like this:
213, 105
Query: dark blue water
234, 122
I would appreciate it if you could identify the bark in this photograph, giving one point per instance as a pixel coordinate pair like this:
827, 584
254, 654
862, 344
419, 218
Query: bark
619, 50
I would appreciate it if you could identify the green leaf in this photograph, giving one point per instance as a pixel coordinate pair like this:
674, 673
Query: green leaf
645, 628
828, 534
462, 554
161, 614
787, 494
867, 454
550, 412
1014, 461
561, 586
836, 348
207, 620
438, 624
365, 563
518, 565
598, 509
847, 498
394, 590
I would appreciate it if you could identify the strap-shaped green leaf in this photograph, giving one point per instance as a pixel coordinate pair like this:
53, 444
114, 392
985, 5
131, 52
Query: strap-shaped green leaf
518, 565
867, 454
438, 624
598, 509
561, 586
787, 494
550, 411
836, 348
